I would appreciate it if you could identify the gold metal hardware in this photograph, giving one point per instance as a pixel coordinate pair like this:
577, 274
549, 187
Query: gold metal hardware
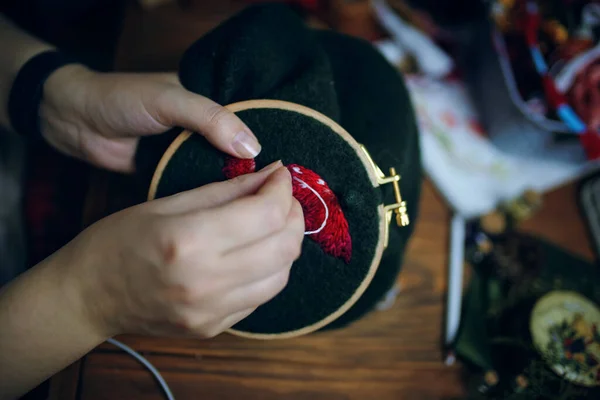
399, 207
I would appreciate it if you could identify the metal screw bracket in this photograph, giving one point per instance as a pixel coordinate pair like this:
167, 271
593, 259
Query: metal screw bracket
399, 207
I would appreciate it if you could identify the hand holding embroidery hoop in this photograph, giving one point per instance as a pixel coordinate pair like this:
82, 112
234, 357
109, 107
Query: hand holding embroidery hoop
319, 271
295, 89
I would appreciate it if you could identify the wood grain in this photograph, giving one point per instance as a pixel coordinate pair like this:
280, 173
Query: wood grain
393, 354
388, 355
561, 222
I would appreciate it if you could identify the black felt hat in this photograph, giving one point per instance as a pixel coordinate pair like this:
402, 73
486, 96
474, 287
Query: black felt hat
338, 115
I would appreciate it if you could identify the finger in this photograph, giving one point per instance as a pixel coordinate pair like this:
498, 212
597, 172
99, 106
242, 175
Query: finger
234, 318
215, 231
219, 326
250, 264
215, 194
256, 293
221, 127
254, 217
269, 256
112, 154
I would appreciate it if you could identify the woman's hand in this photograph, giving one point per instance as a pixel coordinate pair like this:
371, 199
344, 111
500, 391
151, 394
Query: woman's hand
99, 117
192, 264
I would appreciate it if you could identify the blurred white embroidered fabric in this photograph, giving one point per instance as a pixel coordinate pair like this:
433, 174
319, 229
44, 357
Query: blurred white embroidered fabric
472, 172
474, 168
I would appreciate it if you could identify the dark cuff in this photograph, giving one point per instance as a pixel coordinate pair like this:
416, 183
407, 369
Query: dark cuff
28, 89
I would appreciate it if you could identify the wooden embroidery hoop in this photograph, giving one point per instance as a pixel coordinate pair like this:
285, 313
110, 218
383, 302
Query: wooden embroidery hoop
369, 167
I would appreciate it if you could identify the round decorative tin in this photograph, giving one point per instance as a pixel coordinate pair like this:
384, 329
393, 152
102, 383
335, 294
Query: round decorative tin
564, 329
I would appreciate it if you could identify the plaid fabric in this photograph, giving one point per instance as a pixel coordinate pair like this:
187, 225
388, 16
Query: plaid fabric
53, 201
12, 241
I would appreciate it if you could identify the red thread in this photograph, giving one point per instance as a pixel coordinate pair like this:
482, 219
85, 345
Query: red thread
531, 34
591, 144
238, 166
554, 97
334, 238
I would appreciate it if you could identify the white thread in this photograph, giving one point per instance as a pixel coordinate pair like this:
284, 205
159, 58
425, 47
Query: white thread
322, 201
147, 364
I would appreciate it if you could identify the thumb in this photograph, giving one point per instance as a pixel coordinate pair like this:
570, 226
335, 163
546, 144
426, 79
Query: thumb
215, 194
222, 128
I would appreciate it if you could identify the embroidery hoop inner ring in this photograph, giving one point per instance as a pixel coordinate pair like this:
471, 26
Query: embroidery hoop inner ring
309, 112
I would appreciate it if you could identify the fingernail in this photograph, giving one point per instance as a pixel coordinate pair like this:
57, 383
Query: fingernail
284, 171
273, 166
246, 145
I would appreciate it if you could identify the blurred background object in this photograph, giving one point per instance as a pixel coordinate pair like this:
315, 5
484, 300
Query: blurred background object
475, 130
498, 131
496, 153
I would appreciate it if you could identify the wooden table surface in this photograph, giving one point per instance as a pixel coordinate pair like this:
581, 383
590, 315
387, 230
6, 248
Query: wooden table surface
393, 354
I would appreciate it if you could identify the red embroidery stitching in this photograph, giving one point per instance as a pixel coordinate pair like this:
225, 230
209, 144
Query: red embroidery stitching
236, 167
334, 238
